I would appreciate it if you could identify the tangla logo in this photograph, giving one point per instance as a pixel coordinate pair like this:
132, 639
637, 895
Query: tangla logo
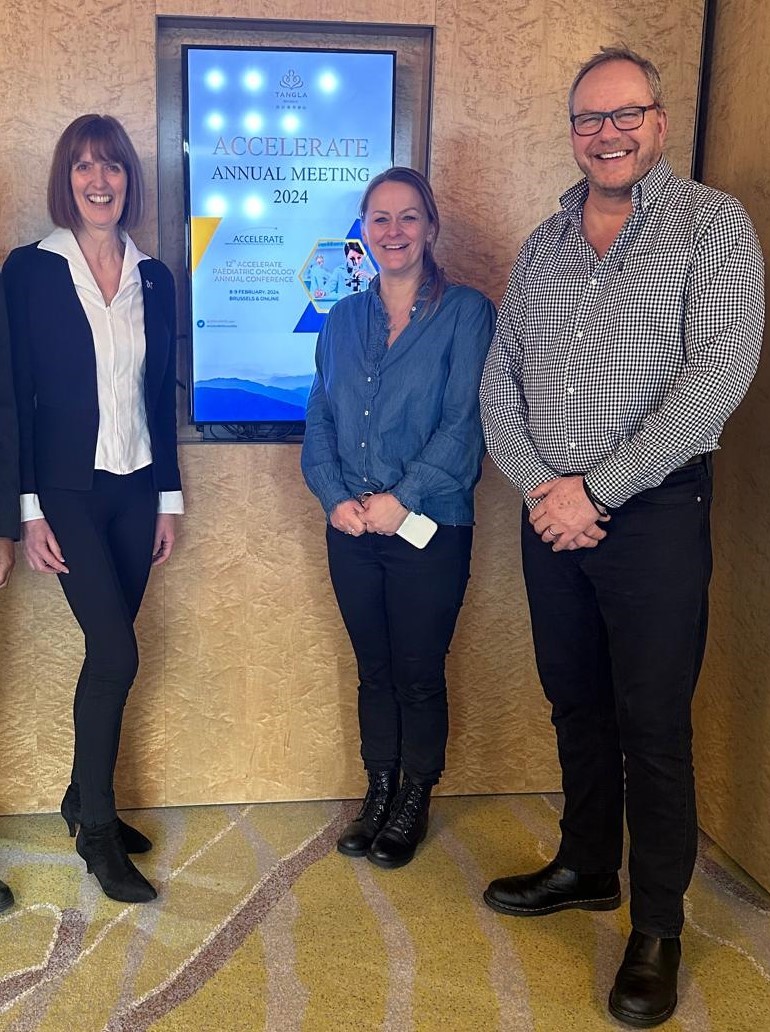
291, 81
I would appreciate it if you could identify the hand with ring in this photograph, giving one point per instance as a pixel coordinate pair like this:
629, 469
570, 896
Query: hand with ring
347, 517
564, 500
384, 514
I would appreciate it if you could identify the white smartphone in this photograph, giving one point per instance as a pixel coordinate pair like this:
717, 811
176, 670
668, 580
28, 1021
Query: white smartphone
417, 529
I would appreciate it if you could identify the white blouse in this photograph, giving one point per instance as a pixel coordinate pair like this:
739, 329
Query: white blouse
123, 439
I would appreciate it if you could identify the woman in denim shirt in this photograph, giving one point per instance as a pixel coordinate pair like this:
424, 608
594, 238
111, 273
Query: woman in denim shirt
392, 428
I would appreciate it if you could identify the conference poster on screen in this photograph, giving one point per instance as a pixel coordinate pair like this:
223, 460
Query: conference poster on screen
280, 146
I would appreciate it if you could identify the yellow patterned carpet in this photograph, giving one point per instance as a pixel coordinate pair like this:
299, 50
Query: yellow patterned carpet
261, 925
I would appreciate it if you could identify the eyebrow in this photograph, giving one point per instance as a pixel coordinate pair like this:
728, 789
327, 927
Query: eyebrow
619, 107
382, 211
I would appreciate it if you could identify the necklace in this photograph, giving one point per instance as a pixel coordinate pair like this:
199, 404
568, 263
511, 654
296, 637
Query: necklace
399, 317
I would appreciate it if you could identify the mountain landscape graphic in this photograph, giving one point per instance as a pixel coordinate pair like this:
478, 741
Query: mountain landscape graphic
234, 400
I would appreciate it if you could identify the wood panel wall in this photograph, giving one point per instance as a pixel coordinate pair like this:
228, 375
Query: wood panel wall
732, 749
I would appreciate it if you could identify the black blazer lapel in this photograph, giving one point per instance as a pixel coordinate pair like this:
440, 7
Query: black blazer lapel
156, 331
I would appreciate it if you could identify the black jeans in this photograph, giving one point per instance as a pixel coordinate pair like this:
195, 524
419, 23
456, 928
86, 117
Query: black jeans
400, 606
106, 536
619, 635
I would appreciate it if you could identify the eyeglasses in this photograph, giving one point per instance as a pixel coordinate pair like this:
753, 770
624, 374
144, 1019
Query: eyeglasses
592, 122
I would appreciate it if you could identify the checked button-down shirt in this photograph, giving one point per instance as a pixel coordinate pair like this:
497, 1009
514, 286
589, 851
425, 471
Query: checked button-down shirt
623, 368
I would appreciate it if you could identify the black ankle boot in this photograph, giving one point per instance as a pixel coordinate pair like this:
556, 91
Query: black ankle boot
105, 856
358, 836
550, 889
644, 993
133, 840
405, 829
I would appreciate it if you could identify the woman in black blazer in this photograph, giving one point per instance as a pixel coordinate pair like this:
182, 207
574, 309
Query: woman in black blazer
93, 333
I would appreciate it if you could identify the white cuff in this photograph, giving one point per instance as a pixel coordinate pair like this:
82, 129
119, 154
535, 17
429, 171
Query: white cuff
30, 508
171, 502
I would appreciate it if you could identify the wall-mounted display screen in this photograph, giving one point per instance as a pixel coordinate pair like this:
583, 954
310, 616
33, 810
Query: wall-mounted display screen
280, 145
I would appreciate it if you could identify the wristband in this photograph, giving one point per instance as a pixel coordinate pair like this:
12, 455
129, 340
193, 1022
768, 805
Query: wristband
600, 508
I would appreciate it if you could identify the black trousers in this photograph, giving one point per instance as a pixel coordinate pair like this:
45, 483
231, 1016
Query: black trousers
106, 536
619, 635
400, 606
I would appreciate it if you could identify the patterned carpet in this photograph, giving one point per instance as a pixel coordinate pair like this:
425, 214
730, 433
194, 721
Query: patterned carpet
261, 925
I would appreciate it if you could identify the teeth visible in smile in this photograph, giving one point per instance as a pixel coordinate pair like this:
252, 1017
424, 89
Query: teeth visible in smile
612, 154
394, 247
99, 198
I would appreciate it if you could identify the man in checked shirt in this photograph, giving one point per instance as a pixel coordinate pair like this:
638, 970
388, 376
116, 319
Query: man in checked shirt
629, 332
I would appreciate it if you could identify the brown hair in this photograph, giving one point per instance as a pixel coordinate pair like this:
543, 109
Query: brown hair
108, 141
433, 274
620, 52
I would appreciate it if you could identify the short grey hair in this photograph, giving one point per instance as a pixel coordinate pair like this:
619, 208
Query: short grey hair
620, 52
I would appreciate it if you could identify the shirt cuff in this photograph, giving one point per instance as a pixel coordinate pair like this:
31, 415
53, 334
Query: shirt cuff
329, 501
405, 492
171, 502
30, 508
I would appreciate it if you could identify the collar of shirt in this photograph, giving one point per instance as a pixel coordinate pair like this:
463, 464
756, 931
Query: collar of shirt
643, 194
375, 288
63, 242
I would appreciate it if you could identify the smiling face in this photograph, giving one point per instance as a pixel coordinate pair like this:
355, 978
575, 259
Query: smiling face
397, 229
99, 188
614, 160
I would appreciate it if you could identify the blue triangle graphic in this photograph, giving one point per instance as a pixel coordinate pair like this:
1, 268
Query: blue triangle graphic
310, 321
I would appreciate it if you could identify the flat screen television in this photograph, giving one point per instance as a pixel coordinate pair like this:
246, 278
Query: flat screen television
279, 147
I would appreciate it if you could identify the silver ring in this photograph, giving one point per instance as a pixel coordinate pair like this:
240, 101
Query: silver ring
552, 532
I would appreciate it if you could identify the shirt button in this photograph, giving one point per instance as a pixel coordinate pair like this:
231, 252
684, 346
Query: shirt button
414, 308
572, 444
368, 379
592, 282
579, 334
570, 390
366, 480
366, 411
363, 444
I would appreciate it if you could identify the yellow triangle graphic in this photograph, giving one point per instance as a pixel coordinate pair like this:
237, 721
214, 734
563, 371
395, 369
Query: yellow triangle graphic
202, 229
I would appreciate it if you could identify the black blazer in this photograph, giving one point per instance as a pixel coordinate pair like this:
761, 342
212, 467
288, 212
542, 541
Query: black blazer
9, 443
54, 368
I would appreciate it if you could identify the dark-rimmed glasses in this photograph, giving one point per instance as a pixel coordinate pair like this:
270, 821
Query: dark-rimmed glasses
591, 123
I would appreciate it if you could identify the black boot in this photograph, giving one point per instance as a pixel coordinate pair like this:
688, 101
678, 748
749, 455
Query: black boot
6, 897
405, 829
644, 993
551, 889
358, 836
105, 856
133, 840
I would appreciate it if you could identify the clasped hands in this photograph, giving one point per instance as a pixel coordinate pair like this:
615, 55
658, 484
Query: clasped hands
564, 517
375, 514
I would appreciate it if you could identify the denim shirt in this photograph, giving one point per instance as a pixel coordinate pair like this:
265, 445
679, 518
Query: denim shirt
404, 418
